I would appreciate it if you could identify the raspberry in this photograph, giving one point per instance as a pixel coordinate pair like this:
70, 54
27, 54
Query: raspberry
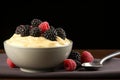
69, 64
44, 26
61, 33
35, 22
35, 31
50, 34
10, 63
86, 56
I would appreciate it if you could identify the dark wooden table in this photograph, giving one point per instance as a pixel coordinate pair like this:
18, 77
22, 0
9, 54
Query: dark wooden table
97, 53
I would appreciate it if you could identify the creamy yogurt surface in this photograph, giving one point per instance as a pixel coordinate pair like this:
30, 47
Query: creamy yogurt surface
36, 42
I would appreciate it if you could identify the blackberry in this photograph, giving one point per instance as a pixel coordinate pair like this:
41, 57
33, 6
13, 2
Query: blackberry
23, 30
50, 34
27, 27
78, 63
51, 27
61, 33
35, 22
35, 31
18, 29
75, 55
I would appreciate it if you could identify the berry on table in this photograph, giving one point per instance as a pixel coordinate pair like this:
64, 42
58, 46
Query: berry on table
10, 63
86, 56
75, 55
69, 64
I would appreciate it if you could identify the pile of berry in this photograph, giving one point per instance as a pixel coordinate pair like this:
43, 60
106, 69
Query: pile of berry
39, 28
75, 60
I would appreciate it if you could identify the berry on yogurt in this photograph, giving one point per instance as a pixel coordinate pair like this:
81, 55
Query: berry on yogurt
44, 26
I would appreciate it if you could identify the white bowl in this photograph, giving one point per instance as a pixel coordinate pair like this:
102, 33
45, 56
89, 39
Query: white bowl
37, 59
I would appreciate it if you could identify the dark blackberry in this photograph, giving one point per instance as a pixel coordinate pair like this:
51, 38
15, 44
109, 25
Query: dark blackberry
27, 27
50, 34
18, 29
75, 55
35, 22
61, 33
51, 27
35, 31
23, 30
78, 64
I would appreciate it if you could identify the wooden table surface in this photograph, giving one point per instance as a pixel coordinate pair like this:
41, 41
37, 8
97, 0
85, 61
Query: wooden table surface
97, 53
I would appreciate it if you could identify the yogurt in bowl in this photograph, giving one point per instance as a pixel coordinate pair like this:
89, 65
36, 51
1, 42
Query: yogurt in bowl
34, 50
36, 42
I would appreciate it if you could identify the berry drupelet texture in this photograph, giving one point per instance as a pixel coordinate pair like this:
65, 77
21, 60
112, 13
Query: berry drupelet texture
61, 33
75, 55
35, 22
50, 34
35, 31
23, 30
39, 28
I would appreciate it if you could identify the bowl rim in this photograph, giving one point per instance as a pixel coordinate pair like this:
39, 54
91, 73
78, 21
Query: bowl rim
71, 43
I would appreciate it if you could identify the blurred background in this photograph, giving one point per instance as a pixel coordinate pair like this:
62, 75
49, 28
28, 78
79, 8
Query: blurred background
83, 21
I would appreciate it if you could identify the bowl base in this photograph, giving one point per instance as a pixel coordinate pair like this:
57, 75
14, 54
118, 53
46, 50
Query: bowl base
35, 71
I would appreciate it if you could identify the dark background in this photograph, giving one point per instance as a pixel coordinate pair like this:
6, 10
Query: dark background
83, 21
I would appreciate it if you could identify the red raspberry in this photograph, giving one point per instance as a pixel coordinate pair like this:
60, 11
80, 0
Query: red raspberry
86, 56
70, 64
10, 63
44, 26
